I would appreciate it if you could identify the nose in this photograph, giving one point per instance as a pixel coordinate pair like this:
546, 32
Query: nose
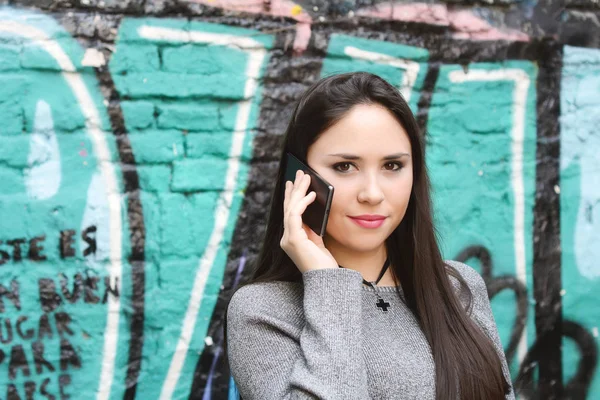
370, 191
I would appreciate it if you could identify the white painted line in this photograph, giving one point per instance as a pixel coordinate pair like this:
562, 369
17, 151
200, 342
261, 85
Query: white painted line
102, 153
257, 53
411, 67
522, 82
43, 176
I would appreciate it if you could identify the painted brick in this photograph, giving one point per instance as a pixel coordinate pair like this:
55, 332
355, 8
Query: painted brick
11, 182
66, 117
135, 58
229, 117
12, 119
129, 28
13, 86
9, 57
155, 146
339, 43
9, 153
203, 59
154, 178
204, 205
198, 145
580, 196
176, 229
138, 114
34, 56
194, 117
179, 86
151, 210
11, 199
191, 175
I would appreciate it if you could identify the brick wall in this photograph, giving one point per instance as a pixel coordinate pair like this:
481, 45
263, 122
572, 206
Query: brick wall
139, 142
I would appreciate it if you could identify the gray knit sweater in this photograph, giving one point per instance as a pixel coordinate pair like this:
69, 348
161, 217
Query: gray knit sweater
330, 341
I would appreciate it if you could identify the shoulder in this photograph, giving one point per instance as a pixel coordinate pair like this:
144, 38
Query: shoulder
263, 299
469, 274
476, 284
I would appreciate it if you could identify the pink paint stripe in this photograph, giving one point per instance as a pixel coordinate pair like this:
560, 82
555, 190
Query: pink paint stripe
276, 8
464, 23
434, 14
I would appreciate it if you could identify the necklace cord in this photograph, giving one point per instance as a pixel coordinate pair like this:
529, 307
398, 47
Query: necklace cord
383, 270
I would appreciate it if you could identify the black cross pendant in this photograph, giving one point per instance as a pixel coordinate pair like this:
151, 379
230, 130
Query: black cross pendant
382, 304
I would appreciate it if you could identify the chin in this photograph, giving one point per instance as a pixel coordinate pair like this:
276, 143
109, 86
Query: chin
366, 245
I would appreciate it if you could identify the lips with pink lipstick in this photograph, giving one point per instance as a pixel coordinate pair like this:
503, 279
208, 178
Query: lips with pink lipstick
370, 221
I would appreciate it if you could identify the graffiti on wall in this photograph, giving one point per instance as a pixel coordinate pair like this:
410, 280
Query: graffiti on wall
579, 211
195, 89
129, 200
62, 252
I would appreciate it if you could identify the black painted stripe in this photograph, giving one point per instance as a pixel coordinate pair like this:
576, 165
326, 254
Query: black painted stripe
547, 251
433, 71
137, 230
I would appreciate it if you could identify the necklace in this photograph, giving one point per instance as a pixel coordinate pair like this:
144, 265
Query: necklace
380, 302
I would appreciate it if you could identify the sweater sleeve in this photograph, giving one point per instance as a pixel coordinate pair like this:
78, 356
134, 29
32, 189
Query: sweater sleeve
482, 314
267, 360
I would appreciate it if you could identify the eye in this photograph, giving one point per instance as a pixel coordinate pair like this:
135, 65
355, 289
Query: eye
335, 166
344, 166
395, 163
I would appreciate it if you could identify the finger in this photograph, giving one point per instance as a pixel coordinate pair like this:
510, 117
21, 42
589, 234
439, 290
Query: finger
286, 195
298, 177
300, 190
296, 211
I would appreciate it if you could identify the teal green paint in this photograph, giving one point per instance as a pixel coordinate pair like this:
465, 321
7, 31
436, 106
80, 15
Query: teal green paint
11, 100
190, 116
579, 197
195, 95
469, 157
202, 59
177, 85
337, 61
33, 56
70, 118
199, 145
157, 146
192, 175
12, 183
9, 57
9, 156
40, 85
128, 30
580, 298
140, 114
155, 178
13, 119
135, 57
338, 43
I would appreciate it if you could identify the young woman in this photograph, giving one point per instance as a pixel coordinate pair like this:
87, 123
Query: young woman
371, 310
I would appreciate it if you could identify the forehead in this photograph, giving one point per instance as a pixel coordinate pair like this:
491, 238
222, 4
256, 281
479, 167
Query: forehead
364, 130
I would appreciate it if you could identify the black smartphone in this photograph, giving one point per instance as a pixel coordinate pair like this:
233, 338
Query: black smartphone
317, 212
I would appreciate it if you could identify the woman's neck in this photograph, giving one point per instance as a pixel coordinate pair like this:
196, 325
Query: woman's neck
369, 264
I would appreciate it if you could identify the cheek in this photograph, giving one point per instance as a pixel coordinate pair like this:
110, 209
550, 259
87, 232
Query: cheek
337, 207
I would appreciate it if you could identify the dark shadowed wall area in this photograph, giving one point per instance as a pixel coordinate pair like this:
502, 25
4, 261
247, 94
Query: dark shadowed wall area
139, 142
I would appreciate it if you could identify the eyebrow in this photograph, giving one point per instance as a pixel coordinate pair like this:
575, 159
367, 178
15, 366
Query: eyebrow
357, 158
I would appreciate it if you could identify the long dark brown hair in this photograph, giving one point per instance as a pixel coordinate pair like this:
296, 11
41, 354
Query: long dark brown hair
462, 353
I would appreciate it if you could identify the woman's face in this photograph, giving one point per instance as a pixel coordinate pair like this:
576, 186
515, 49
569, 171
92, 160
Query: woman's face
351, 155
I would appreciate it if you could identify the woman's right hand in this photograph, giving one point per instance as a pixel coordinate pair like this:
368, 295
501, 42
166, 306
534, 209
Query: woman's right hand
305, 248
